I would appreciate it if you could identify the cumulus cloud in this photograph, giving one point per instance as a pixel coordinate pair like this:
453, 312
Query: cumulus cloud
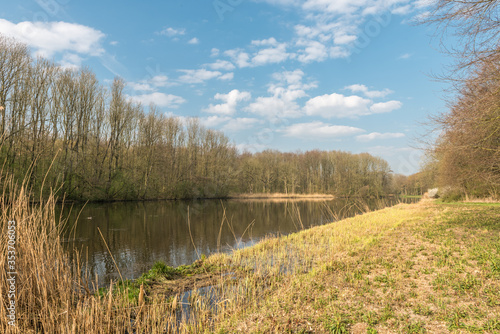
378, 135
271, 53
238, 124
293, 79
160, 99
338, 52
337, 105
49, 38
403, 10
151, 84
198, 76
227, 76
423, 3
285, 92
194, 40
140, 86
384, 107
342, 37
312, 51
369, 93
239, 57
331, 28
230, 101
214, 52
71, 61
270, 41
335, 7
159, 80
274, 106
223, 65
214, 121
171, 32
315, 130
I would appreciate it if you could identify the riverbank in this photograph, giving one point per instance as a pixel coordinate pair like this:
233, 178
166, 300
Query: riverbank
426, 267
410, 268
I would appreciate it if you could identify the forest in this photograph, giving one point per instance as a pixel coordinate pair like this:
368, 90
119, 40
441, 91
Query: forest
63, 131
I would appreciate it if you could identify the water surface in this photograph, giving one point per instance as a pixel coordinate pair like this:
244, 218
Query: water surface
139, 234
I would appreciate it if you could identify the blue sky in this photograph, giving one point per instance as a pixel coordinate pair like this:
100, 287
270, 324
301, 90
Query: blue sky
351, 75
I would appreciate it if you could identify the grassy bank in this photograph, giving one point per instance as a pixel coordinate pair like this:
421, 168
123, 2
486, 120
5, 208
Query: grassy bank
418, 268
427, 267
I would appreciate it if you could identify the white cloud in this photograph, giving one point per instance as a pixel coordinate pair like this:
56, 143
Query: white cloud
338, 52
292, 79
194, 40
239, 124
140, 86
285, 92
198, 76
160, 99
270, 41
289, 77
221, 65
335, 6
49, 38
71, 61
171, 32
239, 57
330, 28
369, 93
227, 76
214, 52
151, 84
326, 38
319, 130
313, 51
378, 135
214, 121
384, 107
337, 105
274, 106
230, 101
423, 3
403, 10
405, 56
275, 54
341, 37
159, 80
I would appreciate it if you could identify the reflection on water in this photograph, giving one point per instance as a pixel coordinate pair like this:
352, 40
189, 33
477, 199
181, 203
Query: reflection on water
139, 234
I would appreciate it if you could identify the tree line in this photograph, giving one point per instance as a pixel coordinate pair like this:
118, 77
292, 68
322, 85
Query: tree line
63, 130
465, 158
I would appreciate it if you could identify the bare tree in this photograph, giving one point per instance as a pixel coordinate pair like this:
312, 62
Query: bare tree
476, 25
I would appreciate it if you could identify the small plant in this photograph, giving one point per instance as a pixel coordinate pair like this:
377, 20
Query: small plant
338, 325
415, 327
424, 310
371, 318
